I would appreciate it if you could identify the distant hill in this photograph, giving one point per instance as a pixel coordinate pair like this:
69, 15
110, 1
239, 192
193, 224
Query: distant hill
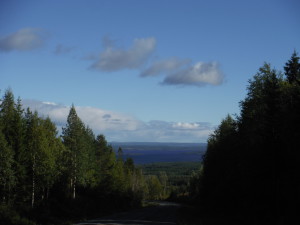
152, 152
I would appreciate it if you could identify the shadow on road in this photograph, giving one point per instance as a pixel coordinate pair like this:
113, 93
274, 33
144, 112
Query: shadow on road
164, 213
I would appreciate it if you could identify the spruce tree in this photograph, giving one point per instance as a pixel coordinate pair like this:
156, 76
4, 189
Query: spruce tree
292, 69
74, 140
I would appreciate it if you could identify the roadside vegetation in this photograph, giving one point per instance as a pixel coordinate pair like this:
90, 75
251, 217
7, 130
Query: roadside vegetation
50, 179
252, 165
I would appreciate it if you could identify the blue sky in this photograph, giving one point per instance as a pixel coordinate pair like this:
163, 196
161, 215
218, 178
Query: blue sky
164, 71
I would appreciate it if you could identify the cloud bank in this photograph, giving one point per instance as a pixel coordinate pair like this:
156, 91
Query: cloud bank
121, 127
97, 119
25, 39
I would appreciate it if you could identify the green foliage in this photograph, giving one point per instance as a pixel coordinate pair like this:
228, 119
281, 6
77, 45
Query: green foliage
174, 177
8, 216
74, 139
7, 115
7, 176
50, 179
155, 188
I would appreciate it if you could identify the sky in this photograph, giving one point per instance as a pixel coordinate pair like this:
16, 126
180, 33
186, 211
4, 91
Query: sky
137, 70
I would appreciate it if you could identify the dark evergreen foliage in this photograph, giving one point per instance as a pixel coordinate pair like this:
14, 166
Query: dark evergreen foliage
252, 164
49, 179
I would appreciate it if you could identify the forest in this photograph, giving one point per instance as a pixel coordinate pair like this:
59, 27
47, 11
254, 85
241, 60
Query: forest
46, 178
249, 174
251, 169
174, 178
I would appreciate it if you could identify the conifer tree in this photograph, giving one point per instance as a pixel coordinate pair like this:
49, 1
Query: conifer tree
7, 116
7, 175
74, 139
292, 69
252, 164
13, 128
105, 159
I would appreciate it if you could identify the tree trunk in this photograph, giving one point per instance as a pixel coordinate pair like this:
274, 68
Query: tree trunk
33, 182
48, 192
75, 177
74, 188
3, 197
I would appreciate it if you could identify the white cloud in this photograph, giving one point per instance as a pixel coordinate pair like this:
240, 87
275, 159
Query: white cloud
97, 119
199, 74
164, 66
113, 58
181, 125
49, 103
23, 40
180, 72
103, 120
121, 127
175, 71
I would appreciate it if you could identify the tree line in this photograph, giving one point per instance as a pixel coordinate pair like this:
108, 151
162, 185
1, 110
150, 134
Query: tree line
44, 175
251, 169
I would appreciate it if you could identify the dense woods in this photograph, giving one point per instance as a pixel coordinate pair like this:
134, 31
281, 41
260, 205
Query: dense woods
44, 176
174, 178
50, 178
251, 169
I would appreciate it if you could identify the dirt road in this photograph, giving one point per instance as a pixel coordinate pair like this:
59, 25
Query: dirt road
164, 213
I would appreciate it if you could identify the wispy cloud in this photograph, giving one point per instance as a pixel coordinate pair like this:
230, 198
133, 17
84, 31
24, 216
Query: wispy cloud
121, 127
114, 58
61, 49
25, 39
199, 74
164, 66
